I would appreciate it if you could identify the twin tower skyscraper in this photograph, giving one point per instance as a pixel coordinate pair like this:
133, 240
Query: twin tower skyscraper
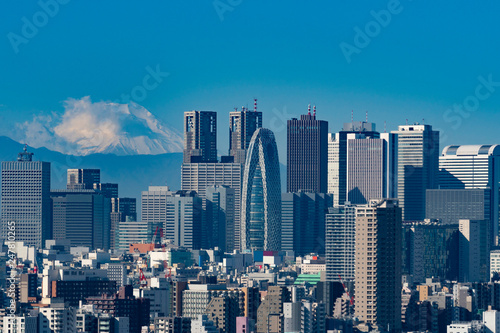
251, 169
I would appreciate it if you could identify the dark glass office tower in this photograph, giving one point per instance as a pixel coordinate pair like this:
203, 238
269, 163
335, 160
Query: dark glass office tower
307, 154
242, 125
200, 136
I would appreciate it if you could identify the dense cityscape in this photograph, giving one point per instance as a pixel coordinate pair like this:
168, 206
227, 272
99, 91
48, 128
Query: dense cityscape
375, 232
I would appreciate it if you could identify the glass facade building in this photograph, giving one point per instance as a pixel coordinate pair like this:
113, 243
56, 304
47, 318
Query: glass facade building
261, 195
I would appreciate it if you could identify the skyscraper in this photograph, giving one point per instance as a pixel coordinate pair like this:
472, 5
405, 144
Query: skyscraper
242, 125
474, 263
303, 222
82, 216
200, 136
474, 167
26, 200
418, 157
337, 156
340, 240
83, 179
154, 208
219, 214
307, 154
183, 219
261, 194
371, 167
199, 176
378, 264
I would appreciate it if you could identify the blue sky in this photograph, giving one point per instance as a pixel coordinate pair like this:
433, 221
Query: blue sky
287, 54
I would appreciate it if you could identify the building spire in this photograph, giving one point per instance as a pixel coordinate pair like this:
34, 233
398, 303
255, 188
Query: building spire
309, 109
255, 105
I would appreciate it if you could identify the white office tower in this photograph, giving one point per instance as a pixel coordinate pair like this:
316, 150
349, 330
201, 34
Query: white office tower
418, 158
340, 242
371, 167
261, 195
199, 176
26, 207
154, 208
473, 265
473, 167
60, 317
378, 264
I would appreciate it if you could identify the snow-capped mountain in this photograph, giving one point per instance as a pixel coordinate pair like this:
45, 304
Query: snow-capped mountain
102, 127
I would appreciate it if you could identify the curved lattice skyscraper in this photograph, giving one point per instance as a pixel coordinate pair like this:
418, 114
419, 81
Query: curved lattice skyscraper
261, 194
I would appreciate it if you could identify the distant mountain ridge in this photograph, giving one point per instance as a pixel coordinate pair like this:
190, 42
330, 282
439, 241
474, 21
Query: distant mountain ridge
133, 173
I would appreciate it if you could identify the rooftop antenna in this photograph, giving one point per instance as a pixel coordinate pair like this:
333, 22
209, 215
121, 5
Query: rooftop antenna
406, 121
309, 109
385, 126
366, 116
423, 121
243, 108
255, 105
352, 116
314, 110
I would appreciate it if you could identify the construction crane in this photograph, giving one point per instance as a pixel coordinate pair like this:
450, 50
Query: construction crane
142, 279
161, 237
165, 266
347, 291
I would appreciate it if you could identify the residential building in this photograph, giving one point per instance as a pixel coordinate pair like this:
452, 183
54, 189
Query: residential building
378, 264
340, 242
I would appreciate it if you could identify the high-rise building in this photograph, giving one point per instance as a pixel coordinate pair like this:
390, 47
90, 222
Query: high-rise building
26, 208
261, 194
371, 167
183, 225
110, 190
307, 154
340, 241
378, 264
121, 210
220, 212
418, 158
430, 250
337, 156
83, 179
270, 313
200, 136
154, 208
242, 125
473, 251
451, 205
303, 222
474, 167
199, 176
130, 232
81, 216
